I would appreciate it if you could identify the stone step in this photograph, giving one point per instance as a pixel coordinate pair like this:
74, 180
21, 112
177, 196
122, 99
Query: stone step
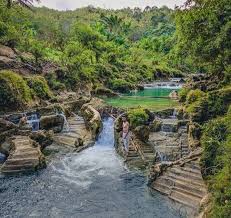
149, 156
65, 140
184, 179
133, 158
20, 161
71, 135
161, 187
132, 155
15, 171
193, 165
190, 201
199, 189
186, 174
24, 150
33, 153
188, 192
18, 167
191, 170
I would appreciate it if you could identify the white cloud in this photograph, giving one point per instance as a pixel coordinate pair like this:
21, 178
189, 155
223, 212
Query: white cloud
73, 4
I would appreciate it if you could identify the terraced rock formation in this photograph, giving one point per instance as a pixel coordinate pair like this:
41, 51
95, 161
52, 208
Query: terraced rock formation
140, 154
24, 156
77, 137
183, 184
171, 141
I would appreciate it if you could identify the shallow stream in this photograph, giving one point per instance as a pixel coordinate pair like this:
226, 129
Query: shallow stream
94, 183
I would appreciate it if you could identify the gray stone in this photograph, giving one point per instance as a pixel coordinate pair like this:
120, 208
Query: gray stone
52, 122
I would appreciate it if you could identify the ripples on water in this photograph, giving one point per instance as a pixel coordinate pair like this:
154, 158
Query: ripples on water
94, 183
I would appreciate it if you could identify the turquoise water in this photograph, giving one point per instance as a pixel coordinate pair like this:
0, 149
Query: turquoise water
152, 92
152, 98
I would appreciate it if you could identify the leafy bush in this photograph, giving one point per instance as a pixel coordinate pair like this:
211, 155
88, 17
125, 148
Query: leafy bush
121, 85
14, 91
194, 95
137, 117
183, 94
214, 135
218, 102
215, 163
53, 83
40, 87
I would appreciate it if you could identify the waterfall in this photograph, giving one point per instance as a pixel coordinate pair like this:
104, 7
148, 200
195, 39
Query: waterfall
34, 122
66, 127
174, 114
162, 157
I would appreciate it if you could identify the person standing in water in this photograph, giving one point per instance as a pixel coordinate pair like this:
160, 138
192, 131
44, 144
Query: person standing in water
125, 134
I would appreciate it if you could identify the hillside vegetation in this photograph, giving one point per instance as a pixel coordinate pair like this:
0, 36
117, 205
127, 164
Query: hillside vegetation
118, 50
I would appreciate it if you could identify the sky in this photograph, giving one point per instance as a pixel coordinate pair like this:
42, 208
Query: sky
115, 4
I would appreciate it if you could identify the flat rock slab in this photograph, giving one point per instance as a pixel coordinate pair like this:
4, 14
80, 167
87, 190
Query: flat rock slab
24, 156
77, 131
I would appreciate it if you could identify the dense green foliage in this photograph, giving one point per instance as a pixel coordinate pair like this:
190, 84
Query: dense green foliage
13, 90
203, 36
137, 117
118, 49
40, 87
216, 141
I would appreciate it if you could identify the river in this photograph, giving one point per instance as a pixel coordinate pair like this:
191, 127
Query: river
94, 183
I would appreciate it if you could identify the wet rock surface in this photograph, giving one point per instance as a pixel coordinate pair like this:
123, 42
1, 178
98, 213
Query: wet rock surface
93, 183
52, 122
92, 119
24, 156
77, 136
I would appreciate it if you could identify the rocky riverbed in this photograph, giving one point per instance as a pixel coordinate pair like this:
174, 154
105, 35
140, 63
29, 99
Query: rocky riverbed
93, 183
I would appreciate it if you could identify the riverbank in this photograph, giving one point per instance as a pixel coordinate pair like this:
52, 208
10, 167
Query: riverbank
93, 183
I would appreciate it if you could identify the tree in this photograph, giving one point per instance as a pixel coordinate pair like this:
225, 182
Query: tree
203, 34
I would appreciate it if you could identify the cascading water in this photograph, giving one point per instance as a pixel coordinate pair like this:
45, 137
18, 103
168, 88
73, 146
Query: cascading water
34, 121
93, 183
66, 127
174, 115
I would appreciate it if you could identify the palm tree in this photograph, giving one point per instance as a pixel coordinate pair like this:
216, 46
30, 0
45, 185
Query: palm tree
23, 3
112, 23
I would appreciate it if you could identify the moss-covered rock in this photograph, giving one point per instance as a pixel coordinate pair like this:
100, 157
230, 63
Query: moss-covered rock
14, 91
52, 122
39, 86
155, 126
104, 92
142, 133
137, 117
92, 119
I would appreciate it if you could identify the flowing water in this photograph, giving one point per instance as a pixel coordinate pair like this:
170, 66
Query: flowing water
94, 183
34, 122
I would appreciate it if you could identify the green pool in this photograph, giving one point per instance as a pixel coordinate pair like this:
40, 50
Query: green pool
151, 98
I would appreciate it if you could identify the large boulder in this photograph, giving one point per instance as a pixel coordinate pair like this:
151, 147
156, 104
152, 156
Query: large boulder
104, 92
165, 113
142, 133
7, 129
44, 138
7, 52
6, 125
155, 126
92, 119
52, 122
76, 105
